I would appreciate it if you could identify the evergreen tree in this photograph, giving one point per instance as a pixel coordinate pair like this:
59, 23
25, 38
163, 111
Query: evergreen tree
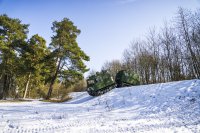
68, 55
12, 35
33, 64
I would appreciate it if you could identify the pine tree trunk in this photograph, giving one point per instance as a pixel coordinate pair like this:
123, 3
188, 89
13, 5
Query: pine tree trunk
1, 88
27, 84
53, 80
51, 87
1, 94
5, 87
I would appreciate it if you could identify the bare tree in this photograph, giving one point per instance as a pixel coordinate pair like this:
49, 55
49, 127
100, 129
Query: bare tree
112, 67
184, 24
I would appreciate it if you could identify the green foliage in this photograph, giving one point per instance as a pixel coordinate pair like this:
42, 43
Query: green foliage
32, 58
65, 46
12, 35
68, 55
27, 66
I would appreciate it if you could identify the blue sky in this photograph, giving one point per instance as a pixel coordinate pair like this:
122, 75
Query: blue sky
107, 26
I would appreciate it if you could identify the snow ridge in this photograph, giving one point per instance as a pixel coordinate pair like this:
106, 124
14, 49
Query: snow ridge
167, 107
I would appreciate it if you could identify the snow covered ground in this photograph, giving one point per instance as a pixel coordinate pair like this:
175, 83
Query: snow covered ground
164, 108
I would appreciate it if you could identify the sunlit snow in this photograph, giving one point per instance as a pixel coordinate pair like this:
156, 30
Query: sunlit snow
164, 108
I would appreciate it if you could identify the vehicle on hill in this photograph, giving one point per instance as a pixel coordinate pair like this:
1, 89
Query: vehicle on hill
126, 78
102, 82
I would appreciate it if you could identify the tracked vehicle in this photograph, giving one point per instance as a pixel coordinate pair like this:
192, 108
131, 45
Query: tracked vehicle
102, 82
126, 78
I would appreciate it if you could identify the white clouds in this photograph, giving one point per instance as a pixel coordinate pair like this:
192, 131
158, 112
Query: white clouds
126, 1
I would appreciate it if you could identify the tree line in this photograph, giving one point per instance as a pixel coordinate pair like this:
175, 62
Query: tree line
171, 54
28, 64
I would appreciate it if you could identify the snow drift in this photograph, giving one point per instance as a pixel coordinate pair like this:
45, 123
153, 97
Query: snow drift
166, 107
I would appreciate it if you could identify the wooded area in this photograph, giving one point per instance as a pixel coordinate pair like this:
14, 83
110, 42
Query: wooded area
28, 66
171, 54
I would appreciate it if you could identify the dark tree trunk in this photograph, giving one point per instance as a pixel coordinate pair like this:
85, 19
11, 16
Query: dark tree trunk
51, 87
53, 80
5, 87
1, 91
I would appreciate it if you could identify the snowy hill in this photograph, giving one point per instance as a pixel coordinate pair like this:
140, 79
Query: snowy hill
167, 107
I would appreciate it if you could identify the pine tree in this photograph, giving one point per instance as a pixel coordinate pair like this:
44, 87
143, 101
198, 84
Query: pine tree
12, 35
33, 64
68, 55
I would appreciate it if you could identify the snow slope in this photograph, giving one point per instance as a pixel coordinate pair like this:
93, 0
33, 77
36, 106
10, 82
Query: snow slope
168, 107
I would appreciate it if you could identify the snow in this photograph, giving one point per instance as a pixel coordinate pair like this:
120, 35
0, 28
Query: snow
167, 107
